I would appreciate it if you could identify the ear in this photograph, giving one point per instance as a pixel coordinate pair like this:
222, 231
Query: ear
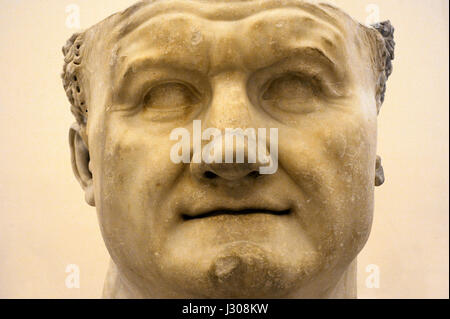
80, 162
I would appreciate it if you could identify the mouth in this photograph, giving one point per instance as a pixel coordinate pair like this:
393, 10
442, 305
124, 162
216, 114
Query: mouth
227, 212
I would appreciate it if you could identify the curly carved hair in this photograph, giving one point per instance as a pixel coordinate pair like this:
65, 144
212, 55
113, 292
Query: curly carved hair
387, 31
73, 56
73, 59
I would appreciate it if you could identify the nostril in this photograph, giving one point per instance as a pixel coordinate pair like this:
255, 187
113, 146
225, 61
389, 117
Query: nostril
209, 175
254, 174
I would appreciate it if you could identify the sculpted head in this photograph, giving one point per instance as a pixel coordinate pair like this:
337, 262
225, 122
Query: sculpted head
198, 229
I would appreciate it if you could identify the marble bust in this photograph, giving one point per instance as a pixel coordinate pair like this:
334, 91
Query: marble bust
220, 229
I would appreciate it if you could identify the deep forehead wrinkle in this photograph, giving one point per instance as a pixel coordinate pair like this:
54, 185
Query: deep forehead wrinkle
140, 13
323, 43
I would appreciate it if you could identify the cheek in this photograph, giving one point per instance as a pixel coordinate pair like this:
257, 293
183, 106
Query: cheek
133, 180
332, 161
352, 147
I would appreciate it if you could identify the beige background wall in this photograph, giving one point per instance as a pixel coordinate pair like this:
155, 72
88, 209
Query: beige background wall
45, 225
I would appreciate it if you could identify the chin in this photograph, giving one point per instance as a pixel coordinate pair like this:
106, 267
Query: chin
242, 269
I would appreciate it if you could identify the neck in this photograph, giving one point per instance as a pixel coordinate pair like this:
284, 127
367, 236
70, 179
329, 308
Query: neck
346, 286
117, 288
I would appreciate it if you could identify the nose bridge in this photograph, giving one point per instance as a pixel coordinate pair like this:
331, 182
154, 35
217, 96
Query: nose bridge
234, 145
230, 104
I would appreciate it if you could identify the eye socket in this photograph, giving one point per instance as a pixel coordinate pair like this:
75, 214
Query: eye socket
170, 96
292, 93
291, 86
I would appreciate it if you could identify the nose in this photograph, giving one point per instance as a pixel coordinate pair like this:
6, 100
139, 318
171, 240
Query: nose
227, 171
229, 110
242, 167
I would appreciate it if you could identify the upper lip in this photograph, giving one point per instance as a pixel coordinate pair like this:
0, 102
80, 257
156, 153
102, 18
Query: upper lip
245, 211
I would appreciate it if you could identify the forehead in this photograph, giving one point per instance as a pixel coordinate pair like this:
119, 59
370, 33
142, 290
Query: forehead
221, 10
206, 36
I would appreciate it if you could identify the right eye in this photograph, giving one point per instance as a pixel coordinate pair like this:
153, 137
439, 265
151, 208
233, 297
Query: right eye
170, 97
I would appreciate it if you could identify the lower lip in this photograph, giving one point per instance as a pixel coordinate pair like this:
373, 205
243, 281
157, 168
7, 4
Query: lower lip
236, 214
227, 228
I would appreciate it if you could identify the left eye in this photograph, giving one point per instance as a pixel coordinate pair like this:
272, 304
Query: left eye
290, 87
292, 93
169, 96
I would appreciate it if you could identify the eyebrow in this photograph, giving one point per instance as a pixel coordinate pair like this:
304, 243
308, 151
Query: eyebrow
148, 62
301, 52
325, 64
321, 54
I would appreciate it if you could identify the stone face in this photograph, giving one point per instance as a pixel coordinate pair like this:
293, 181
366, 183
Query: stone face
194, 229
